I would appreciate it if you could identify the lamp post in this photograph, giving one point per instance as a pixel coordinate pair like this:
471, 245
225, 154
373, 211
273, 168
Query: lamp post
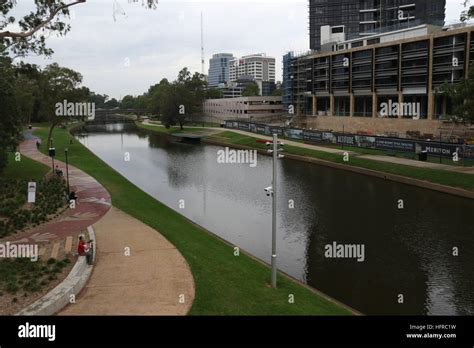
440, 146
272, 191
67, 171
52, 153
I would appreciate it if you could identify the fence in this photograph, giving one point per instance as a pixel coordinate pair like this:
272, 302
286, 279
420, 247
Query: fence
432, 148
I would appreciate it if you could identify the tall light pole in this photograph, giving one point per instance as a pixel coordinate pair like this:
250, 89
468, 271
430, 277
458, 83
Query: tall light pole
67, 172
52, 153
272, 190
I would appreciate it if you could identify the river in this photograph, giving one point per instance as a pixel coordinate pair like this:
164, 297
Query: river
408, 251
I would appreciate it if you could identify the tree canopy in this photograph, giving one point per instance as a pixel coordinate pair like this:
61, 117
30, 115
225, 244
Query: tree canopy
47, 17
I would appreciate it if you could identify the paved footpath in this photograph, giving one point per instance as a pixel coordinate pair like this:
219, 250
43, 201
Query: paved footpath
152, 279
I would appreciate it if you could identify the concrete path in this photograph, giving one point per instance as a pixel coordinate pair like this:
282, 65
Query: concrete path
419, 164
154, 280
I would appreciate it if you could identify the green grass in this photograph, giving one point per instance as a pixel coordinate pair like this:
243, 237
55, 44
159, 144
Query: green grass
461, 180
26, 169
225, 284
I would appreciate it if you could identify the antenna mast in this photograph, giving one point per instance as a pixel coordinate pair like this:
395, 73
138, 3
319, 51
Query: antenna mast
202, 44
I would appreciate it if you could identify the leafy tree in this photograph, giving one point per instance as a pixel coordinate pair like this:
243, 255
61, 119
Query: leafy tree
128, 102
27, 91
60, 84
112, 104
98, 99
155, 95
174, 101
213, 93
277, 92
251, 90
462, 96
9, 122
47, 17
468, 13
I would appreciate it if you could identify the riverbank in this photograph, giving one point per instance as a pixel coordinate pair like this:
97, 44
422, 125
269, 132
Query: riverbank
225, 284
446, 181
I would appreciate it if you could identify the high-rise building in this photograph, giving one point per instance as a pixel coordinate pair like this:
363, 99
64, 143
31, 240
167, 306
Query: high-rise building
219, 69
258, 66
355, 18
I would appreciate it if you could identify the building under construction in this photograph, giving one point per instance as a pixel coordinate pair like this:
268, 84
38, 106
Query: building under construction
357, 18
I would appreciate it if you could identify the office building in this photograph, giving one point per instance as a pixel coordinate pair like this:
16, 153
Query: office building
258, 66
262, 109
219, 69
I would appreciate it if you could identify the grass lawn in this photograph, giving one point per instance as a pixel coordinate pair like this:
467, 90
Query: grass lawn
225, 284
461, 180
26, 169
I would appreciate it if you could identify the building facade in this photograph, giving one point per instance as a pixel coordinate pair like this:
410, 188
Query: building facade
264, 109
354, 88
219, 69
356, 18
259, 67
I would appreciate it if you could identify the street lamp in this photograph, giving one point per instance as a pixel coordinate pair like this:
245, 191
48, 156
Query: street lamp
67, 172
272, 191
52, 153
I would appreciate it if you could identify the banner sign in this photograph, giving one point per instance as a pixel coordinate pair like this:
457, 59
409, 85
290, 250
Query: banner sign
394, 144
363, 141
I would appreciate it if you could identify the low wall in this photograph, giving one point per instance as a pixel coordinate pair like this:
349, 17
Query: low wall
376, 125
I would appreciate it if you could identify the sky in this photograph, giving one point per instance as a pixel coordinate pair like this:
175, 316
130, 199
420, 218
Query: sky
121, 54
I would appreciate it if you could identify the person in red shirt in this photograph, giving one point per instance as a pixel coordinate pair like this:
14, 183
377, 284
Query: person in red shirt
83, 249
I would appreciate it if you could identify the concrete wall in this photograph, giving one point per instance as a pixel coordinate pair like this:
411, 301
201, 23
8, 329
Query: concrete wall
375, 125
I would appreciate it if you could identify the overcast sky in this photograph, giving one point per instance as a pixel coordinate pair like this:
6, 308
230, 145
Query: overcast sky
128, 54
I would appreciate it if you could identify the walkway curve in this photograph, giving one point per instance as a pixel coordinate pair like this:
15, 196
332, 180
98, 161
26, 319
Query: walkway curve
137, 270
93, 200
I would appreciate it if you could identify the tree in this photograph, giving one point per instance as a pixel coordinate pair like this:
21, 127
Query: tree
213, 93
60, 84
251, 90
98, 99
9, 123
277, 92
27, 91
155, 95
462, 96
128, 102
47, 17
112, 104
468, 13
9, 126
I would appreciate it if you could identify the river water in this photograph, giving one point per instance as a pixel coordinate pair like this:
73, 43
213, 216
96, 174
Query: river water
407, 251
